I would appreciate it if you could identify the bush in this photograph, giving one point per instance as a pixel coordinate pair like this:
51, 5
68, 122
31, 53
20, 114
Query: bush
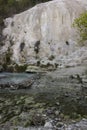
81, 24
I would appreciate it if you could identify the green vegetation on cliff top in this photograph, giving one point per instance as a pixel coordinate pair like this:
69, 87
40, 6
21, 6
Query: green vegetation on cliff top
10, 7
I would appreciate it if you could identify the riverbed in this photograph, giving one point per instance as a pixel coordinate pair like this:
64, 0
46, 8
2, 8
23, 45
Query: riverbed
55, 100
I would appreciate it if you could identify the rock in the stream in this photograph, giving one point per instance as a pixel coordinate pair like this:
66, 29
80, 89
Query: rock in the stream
14, 86
16, 81
48, 124
34, 69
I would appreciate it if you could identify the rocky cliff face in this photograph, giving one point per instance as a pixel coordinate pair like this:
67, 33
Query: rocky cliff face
44, 34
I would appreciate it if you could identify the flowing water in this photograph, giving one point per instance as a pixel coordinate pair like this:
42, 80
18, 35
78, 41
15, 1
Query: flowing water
14, 77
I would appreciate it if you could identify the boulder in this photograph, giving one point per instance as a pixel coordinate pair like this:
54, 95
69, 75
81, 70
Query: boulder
34, 69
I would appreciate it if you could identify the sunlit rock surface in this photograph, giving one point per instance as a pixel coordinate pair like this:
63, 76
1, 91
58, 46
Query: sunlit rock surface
44, 34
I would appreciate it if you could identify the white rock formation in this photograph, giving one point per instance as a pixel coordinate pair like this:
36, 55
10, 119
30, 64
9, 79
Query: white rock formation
51, 24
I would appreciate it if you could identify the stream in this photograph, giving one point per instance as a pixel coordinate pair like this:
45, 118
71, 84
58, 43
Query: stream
54, 101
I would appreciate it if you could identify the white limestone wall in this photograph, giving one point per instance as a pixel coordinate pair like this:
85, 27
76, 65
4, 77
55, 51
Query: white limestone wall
51, 24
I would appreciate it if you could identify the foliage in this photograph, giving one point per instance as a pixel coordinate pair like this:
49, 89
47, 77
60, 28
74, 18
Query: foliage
11, 7
81, 24
20, 68
8, 7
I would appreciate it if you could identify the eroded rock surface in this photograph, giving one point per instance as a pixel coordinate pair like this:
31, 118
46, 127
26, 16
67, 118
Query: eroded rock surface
44, 34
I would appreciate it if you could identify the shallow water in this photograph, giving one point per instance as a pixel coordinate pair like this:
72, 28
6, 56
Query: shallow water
14, 77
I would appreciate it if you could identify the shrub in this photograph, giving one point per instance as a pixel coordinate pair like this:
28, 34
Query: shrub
81, 24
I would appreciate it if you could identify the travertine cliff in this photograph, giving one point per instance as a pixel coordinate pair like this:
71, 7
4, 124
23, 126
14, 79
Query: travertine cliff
44, 34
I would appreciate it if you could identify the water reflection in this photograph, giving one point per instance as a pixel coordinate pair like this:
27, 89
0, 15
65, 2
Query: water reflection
14, 77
